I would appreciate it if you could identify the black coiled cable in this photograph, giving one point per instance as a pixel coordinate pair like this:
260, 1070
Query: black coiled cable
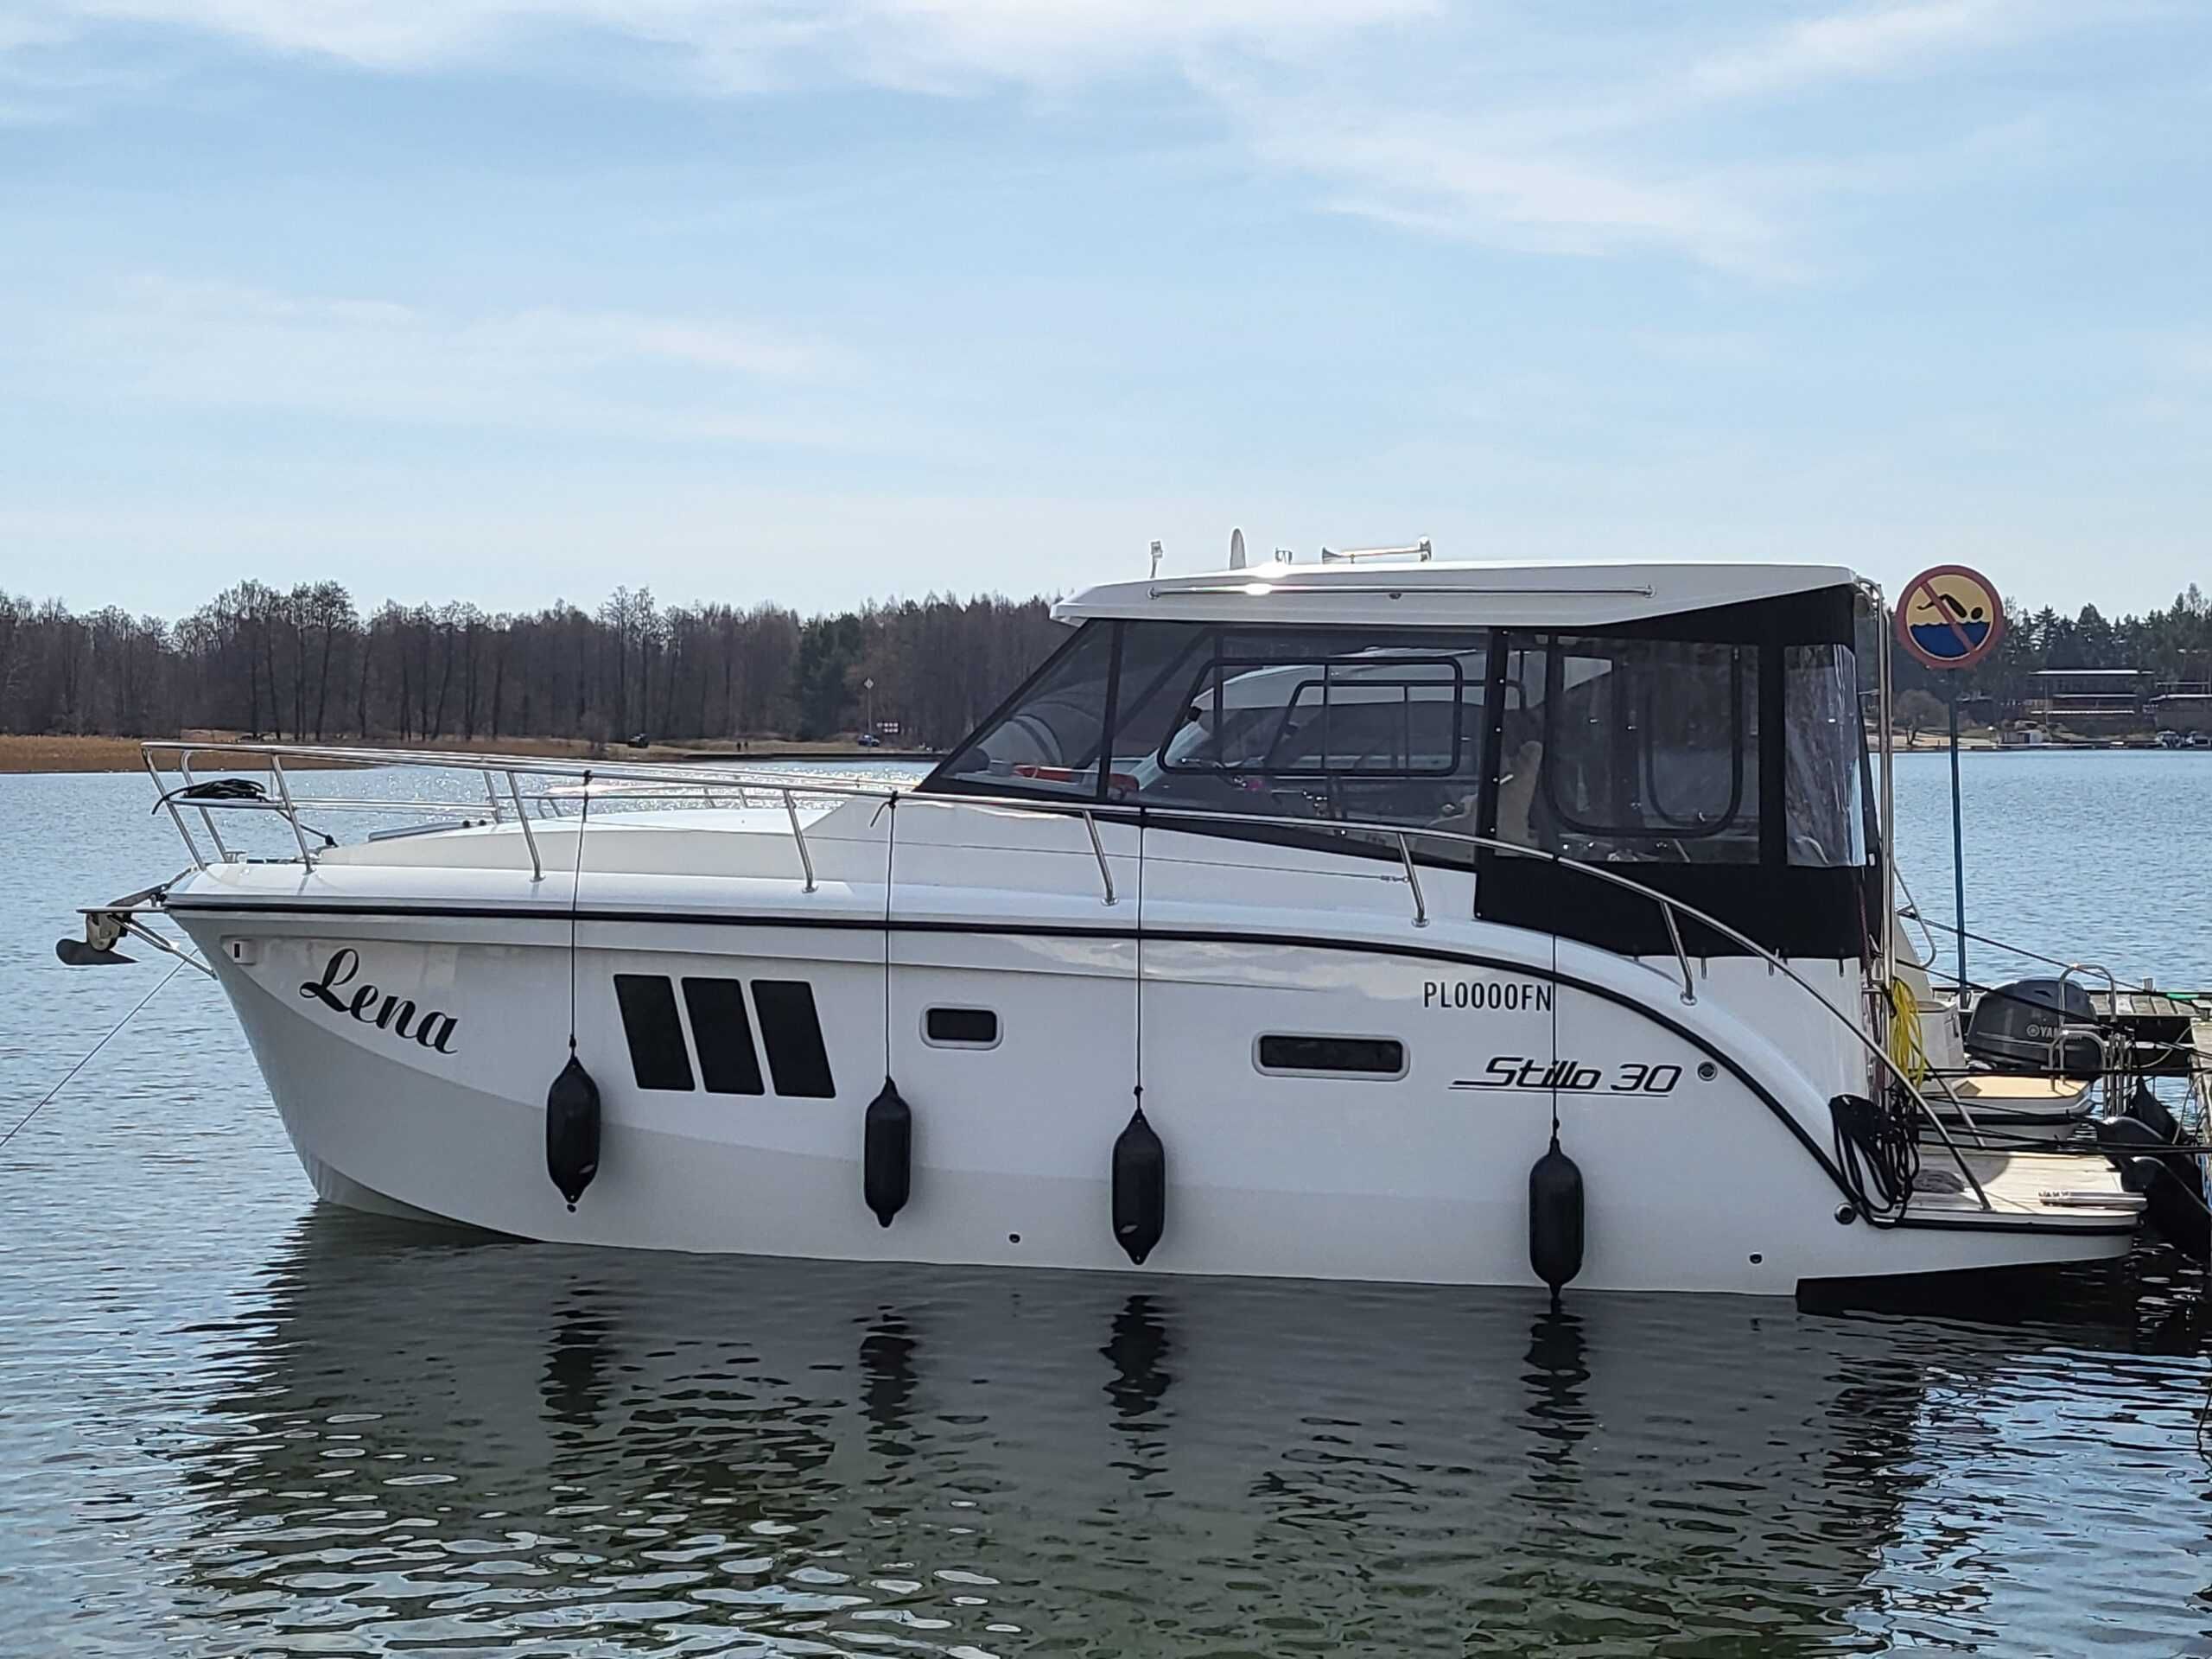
233, 789
1878, 1153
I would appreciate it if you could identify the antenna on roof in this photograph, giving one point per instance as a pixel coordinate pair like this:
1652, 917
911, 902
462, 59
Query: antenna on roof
1155, 558
1420, 552
1236, 549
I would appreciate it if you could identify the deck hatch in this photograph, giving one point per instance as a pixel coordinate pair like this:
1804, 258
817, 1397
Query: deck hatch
658, 1058
1331, 1057
723, 1030
792, 1033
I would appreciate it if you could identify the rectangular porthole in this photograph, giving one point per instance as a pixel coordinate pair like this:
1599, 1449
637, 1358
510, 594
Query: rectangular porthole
1329, 1056
792, 1033
961, 1028
657, 1056
723, 1033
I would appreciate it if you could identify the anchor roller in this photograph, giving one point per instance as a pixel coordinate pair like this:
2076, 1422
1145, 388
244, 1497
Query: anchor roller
572, 1130
887, 1153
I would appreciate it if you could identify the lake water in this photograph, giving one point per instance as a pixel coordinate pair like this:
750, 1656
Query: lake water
233, 1421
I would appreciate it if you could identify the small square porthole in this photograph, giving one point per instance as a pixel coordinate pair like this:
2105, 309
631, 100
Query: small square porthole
961, 1028
1286, 1056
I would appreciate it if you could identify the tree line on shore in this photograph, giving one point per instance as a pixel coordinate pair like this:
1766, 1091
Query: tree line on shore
305, 664
2169, 647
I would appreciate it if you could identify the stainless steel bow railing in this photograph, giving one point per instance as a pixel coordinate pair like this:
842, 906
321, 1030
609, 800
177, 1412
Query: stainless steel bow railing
676, 785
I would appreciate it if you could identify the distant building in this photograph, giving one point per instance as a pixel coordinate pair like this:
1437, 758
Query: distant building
2075, 697
2182, 706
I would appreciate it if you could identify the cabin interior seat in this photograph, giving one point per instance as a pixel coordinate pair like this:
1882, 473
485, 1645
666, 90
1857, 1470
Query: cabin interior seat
1516, 795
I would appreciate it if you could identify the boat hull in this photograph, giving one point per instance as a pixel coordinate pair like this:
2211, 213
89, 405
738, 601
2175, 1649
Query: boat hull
428, 1097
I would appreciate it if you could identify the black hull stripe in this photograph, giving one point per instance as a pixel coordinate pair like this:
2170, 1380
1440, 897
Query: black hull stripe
1197, 935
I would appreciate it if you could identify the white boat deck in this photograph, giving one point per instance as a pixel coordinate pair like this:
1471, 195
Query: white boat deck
2046, 1186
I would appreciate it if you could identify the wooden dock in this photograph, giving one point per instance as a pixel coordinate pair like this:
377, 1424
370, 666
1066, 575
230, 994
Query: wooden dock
2169, 1029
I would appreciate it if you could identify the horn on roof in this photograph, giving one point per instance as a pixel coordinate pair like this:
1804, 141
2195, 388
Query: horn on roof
1421, 552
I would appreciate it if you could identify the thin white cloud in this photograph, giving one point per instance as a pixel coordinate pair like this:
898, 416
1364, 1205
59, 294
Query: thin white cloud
546, 369
1861, 40
1489, 124
893, 42
1656, 157
1476, 179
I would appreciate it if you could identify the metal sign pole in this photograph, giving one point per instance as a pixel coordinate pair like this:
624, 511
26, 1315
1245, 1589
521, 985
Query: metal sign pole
1951, 619
1958, 845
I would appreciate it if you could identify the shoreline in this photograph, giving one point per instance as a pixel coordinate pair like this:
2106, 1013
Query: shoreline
28, 755
32, 754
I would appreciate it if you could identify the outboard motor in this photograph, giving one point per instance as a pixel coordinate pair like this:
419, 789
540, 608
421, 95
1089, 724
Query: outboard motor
2030, 1025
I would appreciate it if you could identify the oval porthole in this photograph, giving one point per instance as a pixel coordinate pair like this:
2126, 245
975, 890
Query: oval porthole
957, 1027
1280, 1054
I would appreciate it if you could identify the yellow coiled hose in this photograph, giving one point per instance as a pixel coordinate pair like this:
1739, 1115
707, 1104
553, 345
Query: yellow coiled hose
1907, 1053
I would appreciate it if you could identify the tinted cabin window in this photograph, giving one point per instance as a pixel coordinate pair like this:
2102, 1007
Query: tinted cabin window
961, 1027
1046, 740
792, 1033
1386, 714
1824, 741
727, 1063
1709, 746
657, 1058
1632, 749
1322, 723
1369, 1057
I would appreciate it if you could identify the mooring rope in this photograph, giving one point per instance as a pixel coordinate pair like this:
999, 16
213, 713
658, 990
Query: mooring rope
1138, 977
87, 1060
576, 901
890, 864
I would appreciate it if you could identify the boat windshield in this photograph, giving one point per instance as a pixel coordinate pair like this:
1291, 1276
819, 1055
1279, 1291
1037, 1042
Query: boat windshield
1599, 748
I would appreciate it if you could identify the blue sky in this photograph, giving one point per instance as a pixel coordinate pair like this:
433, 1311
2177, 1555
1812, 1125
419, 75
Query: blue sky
508, 299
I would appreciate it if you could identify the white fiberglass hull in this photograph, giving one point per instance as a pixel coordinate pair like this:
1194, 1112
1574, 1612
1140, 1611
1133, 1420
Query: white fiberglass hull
428, 1096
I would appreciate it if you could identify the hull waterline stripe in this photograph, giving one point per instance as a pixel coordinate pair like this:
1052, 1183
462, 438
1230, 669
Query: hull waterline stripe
1197, 936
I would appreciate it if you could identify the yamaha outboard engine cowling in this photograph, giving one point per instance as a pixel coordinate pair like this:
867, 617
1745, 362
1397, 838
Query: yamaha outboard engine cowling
2027, 1026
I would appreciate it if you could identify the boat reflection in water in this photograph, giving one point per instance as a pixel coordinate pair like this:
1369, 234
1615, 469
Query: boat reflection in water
438, 1441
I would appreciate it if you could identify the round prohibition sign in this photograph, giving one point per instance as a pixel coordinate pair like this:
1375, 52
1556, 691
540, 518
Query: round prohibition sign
1950, 617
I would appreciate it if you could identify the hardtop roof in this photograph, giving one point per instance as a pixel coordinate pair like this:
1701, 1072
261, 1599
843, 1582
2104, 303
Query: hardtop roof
1438, 594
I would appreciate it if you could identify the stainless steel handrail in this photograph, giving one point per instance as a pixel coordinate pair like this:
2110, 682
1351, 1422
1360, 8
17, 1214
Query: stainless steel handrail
2109, 1043
205, 818
528, 836
1675, 932
291, 812
1099, 852
168, 798
689, 773
781, 785
1413, 880
805, 858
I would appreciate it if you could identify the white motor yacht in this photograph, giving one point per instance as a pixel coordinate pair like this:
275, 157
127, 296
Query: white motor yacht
1389, 920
